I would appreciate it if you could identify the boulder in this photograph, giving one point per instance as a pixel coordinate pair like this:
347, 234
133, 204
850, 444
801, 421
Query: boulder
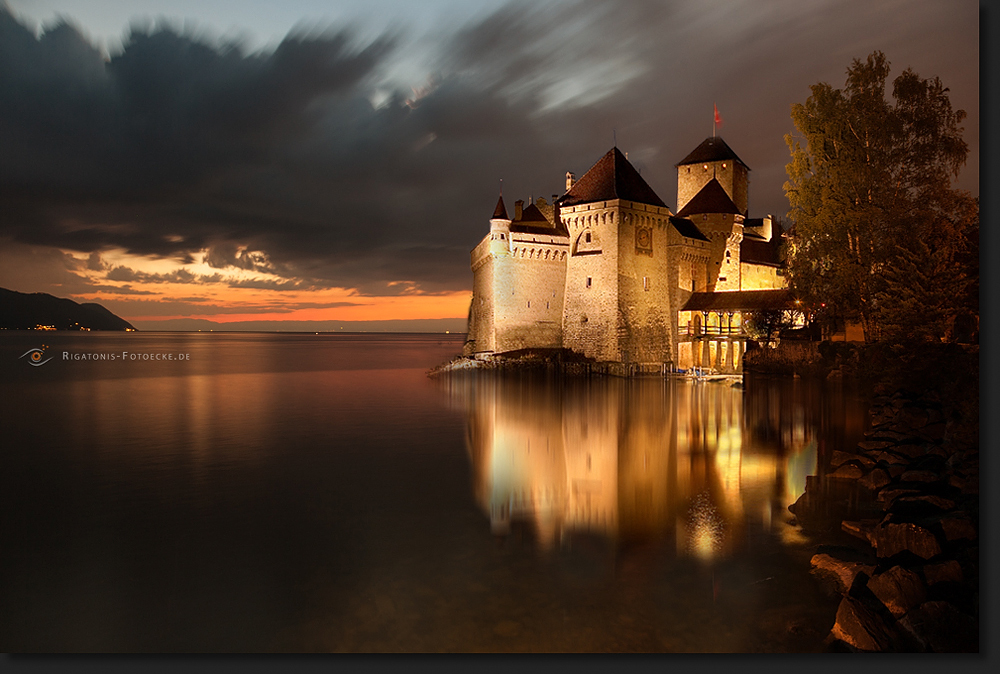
888, 496
840, 458
862, 628
875, 480
945, 572
938, 502
847, 472
964, 484
898, 589
940, 627
874, 445
958, 528
896, 469
911, 449
892, 538
837, 575
863, 529
890, 458
919, 476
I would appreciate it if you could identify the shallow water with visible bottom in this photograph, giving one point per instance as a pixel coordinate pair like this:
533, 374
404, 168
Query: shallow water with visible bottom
265, 492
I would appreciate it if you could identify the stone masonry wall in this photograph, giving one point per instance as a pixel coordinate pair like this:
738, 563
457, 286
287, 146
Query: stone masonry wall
644, 297
761, 277
529, 290
590, 316
481, 329
733, 178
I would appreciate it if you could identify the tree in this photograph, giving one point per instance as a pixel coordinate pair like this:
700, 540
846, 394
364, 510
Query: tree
764, 325
870, 192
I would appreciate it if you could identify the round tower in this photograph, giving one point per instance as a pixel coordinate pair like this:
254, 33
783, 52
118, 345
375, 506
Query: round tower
500, 228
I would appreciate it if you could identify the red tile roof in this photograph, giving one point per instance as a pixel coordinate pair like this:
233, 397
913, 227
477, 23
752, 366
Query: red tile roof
612, 177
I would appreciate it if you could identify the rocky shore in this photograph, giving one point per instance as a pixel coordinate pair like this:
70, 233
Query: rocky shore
908, 497
554, 361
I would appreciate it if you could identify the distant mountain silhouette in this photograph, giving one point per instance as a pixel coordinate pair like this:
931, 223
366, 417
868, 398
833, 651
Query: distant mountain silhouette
23, 311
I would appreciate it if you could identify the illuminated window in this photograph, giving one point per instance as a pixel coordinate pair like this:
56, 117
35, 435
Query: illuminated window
705, 167
723, 164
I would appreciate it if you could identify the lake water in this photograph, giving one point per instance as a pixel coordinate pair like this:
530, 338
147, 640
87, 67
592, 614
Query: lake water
298, 492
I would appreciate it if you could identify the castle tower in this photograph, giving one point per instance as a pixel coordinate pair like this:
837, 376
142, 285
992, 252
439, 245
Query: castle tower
713, 159
617, 302
719, 218
488, 263
500, 228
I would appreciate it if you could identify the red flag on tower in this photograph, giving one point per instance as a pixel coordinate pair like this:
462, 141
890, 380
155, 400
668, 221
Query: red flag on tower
718, 120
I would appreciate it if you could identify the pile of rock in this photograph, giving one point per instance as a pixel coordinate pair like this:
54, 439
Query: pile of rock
916, 587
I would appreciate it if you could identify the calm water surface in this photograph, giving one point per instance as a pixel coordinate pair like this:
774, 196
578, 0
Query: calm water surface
319, 493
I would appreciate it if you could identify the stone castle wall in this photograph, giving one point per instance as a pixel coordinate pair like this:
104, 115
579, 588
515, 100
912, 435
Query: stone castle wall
481, 329
529, 287
644, 298
761, 276
590, 316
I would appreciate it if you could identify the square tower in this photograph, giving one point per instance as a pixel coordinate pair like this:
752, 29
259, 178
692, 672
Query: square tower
617, 300
713, 160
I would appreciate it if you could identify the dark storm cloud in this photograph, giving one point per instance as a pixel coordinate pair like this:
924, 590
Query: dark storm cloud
122, 273
279, 162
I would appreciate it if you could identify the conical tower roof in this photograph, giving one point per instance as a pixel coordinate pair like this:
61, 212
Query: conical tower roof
500, 212
612, 177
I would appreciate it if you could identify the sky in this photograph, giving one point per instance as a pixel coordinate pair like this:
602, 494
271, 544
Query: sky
334, 163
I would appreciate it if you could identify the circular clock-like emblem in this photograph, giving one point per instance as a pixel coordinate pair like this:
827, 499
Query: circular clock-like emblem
642, 238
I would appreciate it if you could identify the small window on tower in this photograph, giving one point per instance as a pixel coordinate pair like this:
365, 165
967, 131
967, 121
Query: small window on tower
705, 216
645, 283
588, 281
705, 167
723, 164
587, 237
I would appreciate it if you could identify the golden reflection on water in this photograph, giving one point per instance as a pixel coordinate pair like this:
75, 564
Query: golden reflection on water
636, 460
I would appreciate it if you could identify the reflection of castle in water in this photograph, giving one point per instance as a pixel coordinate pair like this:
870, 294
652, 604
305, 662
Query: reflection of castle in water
636, 460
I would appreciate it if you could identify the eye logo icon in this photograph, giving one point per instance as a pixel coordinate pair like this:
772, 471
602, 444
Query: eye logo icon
36, 357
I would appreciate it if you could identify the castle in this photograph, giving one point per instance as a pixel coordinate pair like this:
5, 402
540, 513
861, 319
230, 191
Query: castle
608, 271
